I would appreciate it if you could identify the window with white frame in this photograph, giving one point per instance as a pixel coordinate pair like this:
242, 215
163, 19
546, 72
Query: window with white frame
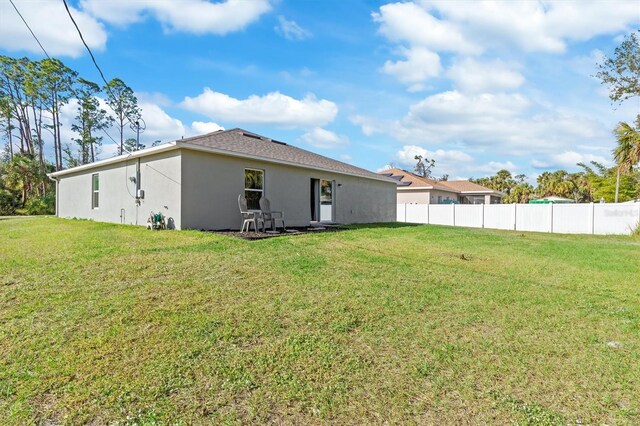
253, 187
95, 191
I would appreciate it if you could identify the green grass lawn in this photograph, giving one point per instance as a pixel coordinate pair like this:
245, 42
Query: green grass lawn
106, 324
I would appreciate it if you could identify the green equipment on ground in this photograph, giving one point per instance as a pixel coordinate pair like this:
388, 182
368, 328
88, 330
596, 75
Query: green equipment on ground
156, 221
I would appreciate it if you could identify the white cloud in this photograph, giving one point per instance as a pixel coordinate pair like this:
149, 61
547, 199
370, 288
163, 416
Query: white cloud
418, 87
446, 161
191, 16
421, 64
368, 125
51, 24
107, 150
492, 167
200, 127
160, 125
475, 27
325, 139
273, 108
535, 26
591, 18
450, 162
472, 76
455, 108
540, 164
569, 159
502, 123
410, 23
585, 64
291, 30
406, 156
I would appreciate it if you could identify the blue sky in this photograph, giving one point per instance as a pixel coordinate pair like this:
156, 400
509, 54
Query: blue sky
479, 86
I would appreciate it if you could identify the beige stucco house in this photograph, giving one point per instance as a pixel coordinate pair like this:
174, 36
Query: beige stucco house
195, 183
414, 189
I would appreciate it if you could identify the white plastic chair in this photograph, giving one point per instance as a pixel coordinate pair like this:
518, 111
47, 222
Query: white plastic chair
249, 216
268, 215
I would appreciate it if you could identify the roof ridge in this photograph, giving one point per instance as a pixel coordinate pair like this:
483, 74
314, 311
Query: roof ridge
217, 132
242, 141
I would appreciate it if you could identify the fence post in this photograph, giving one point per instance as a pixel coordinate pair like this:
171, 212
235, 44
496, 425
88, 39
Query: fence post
428, 214
515, 216
551, 220
483, 215
593, 218
454, 214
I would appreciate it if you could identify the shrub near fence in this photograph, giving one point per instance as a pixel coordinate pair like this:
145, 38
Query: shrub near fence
621, 218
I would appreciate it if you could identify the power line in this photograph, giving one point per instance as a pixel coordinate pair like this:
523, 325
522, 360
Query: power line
136, 123
110, 137
106, 84
29, 28
66, 6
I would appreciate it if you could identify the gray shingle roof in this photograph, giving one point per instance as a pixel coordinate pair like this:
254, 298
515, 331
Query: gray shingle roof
251, 144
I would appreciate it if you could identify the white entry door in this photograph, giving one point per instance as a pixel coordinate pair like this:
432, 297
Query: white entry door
326, 200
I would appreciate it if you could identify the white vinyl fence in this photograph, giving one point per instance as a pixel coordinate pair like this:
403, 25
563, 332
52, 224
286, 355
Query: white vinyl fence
559, 218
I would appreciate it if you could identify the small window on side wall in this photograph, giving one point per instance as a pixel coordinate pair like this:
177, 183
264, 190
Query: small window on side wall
95, 191
253, 187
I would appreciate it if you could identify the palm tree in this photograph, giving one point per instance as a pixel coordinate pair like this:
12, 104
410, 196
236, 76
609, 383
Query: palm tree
627, 153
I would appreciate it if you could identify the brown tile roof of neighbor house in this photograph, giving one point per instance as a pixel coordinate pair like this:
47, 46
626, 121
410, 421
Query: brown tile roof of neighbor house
466, 186
414, 181
240, 141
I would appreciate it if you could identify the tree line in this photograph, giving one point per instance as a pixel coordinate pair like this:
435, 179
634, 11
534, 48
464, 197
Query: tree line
32, 96
593, 183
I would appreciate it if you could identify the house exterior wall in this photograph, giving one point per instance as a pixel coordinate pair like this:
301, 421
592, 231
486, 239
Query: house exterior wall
212, 183
159, 177
413, 197
428, 196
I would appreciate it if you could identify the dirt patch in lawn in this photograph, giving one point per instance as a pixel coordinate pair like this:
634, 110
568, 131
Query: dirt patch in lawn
279, 233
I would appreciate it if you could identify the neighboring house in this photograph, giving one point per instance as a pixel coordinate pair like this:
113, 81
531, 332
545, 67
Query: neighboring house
195, 183
414, 189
